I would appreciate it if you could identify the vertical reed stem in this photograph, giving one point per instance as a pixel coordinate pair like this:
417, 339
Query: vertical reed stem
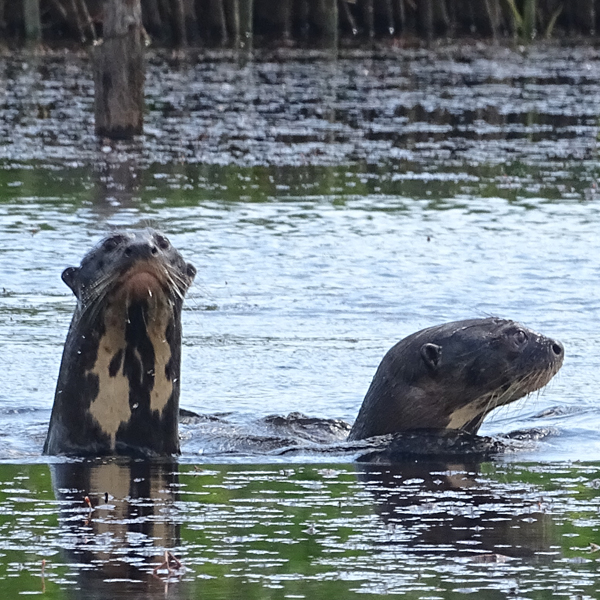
236, 24
223, 23
370, 19
473, 25
75, 12
493, 17
88, 18
166, 25
246, 8
179, 23
304, 12
389, 9
402, 13
33, 24
329, 17
429, 19
287, 20
348, 15
190, 22
451, 9
445, 16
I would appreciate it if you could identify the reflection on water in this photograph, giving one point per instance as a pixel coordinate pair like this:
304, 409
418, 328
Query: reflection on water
299, 530
461, 515
118, 519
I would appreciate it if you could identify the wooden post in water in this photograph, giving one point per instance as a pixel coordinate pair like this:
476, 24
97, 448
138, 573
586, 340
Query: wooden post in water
33, 23
119, 71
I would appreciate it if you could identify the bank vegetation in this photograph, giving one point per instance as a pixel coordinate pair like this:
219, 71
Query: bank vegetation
298, 23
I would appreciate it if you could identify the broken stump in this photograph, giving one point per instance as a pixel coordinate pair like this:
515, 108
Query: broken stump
119, 71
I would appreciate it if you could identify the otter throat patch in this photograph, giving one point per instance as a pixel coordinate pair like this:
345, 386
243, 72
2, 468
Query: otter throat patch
131, 365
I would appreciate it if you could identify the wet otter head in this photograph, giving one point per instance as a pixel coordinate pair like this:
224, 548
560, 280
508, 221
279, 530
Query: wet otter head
118, 387
451, 376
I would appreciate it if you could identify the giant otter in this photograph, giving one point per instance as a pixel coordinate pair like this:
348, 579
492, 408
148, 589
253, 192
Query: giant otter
118, 386
451, 376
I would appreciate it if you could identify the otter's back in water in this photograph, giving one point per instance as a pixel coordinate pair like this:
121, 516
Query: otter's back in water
451, 376
118, 386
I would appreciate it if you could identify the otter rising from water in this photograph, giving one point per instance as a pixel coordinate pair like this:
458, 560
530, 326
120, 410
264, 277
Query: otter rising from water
451, 376
118, 386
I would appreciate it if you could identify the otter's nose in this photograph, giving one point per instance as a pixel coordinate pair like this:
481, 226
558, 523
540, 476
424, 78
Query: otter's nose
140, 250
557, 348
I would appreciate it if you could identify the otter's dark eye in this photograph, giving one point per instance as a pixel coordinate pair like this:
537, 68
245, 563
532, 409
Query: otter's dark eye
162, 241
520, 337
112, 242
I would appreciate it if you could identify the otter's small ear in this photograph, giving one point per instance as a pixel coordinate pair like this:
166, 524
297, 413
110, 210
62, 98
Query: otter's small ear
190, 270
431, 355
69, 276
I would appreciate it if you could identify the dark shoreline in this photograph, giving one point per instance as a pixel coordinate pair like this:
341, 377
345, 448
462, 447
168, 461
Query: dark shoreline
244, 24
457, 49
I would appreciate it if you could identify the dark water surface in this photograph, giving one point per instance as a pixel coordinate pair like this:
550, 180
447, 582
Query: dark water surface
331, 208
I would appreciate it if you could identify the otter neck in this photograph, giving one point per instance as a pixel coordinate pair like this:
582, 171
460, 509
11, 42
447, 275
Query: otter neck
134, 362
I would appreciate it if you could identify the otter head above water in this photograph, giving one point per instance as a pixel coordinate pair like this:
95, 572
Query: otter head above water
451, 376
118, 386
